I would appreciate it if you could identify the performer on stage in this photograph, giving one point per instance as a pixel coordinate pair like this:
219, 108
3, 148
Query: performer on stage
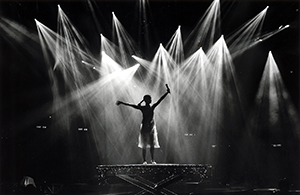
148, 133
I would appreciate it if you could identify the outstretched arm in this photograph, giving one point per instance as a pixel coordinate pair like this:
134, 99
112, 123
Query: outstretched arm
162, 97
127, 104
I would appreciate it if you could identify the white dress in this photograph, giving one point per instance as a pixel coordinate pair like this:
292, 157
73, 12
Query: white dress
148, 136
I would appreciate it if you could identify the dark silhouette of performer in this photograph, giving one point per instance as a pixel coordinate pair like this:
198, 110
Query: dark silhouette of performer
148, 133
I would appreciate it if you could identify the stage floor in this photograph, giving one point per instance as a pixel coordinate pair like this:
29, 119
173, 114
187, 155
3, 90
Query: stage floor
155, 178
181, 179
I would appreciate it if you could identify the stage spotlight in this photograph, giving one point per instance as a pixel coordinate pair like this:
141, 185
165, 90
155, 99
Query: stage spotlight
266, 9
36, 21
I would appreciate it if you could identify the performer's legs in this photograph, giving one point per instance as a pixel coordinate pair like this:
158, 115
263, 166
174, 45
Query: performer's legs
143, 143
152, 148
152, 154
144, 155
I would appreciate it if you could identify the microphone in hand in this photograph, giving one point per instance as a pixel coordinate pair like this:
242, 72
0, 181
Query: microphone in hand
168, 89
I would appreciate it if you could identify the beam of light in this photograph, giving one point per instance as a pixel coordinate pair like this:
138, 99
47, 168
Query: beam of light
125, 43
272, 33
142, 61
192, 92
18, 36
111, 49
49, 39
246, 35
108, 65
175, 46
97, 100
256, 41
223, 90
26, 42
273, 119
71, 39
67, 51
193, 72
160, 68
207, 29
143, 70
272, 95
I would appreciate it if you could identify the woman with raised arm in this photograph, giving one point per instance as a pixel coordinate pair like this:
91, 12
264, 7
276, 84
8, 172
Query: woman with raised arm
148, 133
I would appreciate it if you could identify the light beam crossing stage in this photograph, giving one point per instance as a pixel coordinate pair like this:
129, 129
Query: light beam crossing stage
154, 179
